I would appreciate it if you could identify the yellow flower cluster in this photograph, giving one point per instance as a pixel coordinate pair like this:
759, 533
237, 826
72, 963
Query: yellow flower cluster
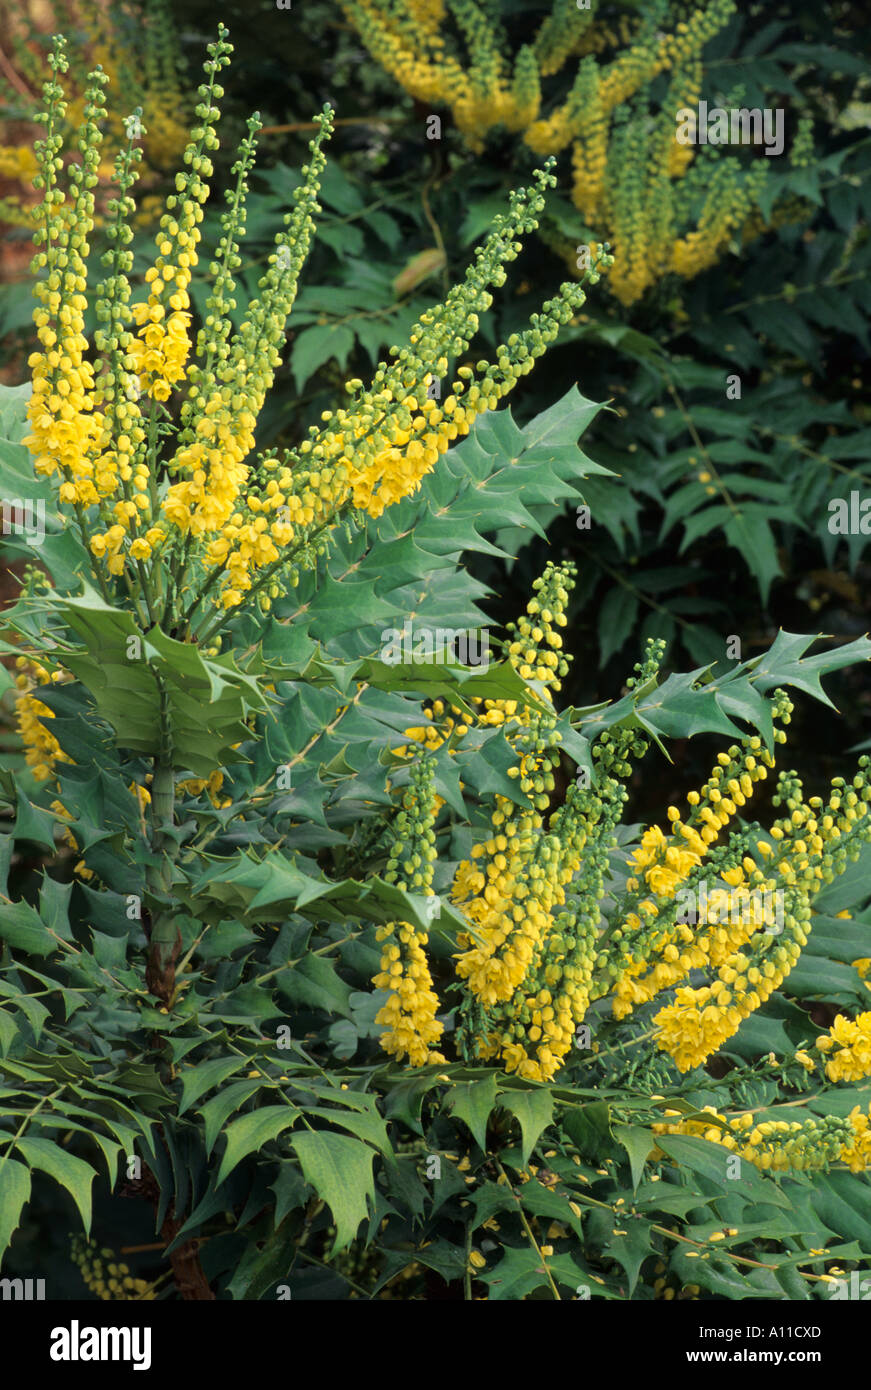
727, 209
590, 155
668, 864
509, 899
219, 527
450, 724
407, 454
211, 785
857, 1153
811, 845
443, 722
633, 182
847, 1046
533, 1030
536, 648
105, 1276
664, 862
378, 452
537, 953
512, 901
701, 1020
409, 1013
65, 426
781, 1145
159, 352
17, 165
41, 749
18, 162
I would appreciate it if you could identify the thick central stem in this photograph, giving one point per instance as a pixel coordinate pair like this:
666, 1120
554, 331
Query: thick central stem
165, 939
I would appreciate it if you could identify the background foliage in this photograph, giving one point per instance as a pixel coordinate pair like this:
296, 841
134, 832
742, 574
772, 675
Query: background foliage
718, 527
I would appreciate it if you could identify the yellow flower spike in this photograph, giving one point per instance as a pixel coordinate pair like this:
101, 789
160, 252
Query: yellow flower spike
409, 1014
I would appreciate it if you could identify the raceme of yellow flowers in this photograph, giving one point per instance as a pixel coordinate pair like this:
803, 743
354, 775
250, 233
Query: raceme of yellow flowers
137, 48
409, 1015
149, 430
847, 1048
813, 1144
41, 749
106, 1276
629, 172
730, 900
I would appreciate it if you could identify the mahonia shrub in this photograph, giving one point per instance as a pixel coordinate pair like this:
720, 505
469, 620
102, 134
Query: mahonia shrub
340, 945
590, 85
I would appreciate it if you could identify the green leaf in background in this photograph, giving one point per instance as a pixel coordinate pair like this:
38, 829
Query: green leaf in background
260, 1271
34, 824
785, 663
14, 1193
221, 1106
250, 1132
534, 1111
629, 1246
616, 621
457, 684
71, 1172
8, 1032
313, 982
717, 1276
340, 1171
638, 1143
315, 346
711, 1161
196, 1080
749, 530
22, 927
520, 1270
590, 1128
472, 1102
13, 410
